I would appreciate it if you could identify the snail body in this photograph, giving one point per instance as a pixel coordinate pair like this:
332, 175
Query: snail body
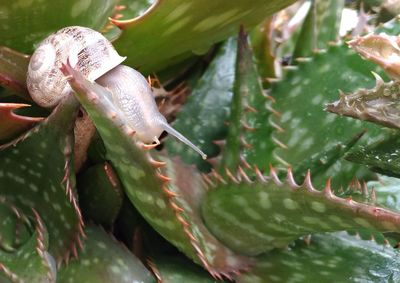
95, 58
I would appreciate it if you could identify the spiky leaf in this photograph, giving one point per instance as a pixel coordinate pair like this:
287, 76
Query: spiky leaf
12, 124
31, 261
382, 157
167, 208
306, 128
379, 105
202, 117
104, 260
35, 172
172, 24
255, 217
326, 259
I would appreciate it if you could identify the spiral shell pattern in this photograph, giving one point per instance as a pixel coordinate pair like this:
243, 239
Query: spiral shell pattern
87, 50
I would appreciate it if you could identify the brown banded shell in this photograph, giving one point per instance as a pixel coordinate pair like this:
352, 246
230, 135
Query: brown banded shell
88, 51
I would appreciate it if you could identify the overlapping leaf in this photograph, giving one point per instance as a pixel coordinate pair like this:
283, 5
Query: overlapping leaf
185, 27
306, 129
254, 217
29, 261
104, 260
25, 23
35, 172
167, 207
100, 194
202, 118
328, 258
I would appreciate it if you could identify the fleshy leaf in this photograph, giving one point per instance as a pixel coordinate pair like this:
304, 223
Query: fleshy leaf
247, 141
30, 23
379, 105
254, 217
320, 27
174, 24
326, 259
30, 262
382, 157
13, 68
177, 270
29, 178
100, 194
104, 260
172, 215
306, 129
381, 49
207, 107
387, 192
12, 124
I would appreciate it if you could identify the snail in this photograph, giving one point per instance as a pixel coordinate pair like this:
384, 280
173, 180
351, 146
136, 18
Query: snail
94, 56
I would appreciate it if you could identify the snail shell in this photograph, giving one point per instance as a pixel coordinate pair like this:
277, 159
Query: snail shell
95, 58
88, 51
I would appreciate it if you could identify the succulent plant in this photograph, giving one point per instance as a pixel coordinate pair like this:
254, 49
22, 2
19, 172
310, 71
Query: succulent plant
290, 192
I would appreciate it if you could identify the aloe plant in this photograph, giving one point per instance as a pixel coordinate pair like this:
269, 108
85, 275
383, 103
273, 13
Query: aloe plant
290, 192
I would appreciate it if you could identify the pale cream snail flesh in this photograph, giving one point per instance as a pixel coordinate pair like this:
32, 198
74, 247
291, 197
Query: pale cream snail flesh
94, 56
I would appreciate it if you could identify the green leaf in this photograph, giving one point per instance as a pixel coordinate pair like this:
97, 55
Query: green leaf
254, 217
100, 194
30, 23
327, 259
183, 27
306, 129
13, 68
387, 192
247, 141
36, 172
170, 208
30, 262
202, 117
320, 27
104, 260
382, 157
177, 270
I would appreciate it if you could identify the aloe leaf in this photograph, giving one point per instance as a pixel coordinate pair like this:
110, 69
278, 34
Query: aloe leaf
378, 105
172, 24
381, 157
320, 27
261, 40
12, 124
104, 260
254, 217
33, 182
30, 23
207, 107
13, 68
320, 162
100, 194
176, 270
161, 200
15, 227
387, 192
31, 261
306, 129
326, 259
247, 141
